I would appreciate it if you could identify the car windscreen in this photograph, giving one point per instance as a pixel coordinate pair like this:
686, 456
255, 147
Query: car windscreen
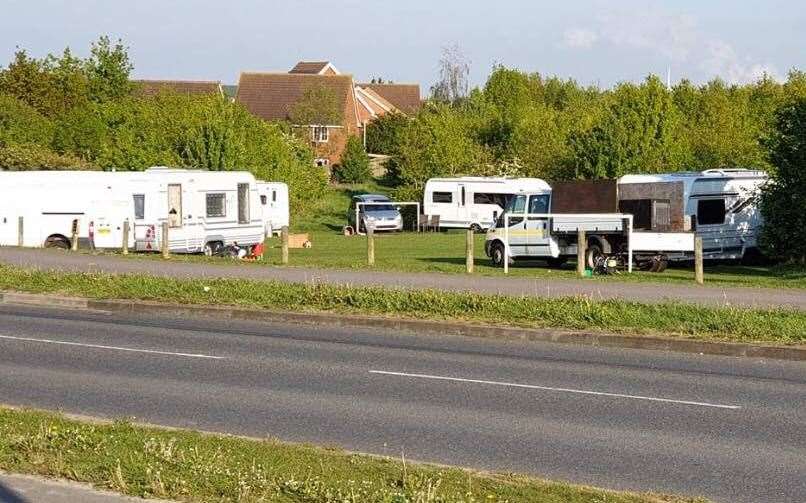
378, 207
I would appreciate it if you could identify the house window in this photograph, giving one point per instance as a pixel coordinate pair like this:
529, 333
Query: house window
216, 205
139, 206
322, 162
711, 212
442, 197
320, 134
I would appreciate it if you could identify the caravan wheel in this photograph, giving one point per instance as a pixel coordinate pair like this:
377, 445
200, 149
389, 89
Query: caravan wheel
211, 248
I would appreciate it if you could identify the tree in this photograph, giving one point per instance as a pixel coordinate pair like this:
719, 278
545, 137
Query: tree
384, 133
21, 123
354, 166
454, 70
639, 133
318, 105
108, 69
784, 198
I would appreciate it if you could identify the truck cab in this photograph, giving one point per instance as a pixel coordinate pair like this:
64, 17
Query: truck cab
529, 234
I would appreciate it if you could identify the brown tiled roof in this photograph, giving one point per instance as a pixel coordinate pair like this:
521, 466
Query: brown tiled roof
406, 97
309, 67
153, 87
271, 96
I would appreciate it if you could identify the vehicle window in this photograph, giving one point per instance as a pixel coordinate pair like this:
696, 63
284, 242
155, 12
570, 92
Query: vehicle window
487, 198
462, 195
442, 197
711, 211
274, 196
263, 199
139, 206
517, 204
216, 205
539, 204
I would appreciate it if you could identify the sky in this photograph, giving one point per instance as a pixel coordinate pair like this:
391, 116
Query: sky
596, 42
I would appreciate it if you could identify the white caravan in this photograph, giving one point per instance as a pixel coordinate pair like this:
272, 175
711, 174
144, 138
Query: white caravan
474, 202
205, 210
722, 205
274, 203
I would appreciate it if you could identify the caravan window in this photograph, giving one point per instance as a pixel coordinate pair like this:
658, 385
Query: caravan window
274, 196
442, 197
487, 198
216, 205
711, 212
263, 199
243, 203
139, 206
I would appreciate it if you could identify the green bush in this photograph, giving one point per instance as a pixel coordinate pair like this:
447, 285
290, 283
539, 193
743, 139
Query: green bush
354, 166
31, 157
784, 199
21, 123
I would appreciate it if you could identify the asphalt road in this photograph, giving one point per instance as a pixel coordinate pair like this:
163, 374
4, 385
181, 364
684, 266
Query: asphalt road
727, 428
539, 287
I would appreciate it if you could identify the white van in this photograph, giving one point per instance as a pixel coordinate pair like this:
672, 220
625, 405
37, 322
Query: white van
722, 205
274, 203
473, 202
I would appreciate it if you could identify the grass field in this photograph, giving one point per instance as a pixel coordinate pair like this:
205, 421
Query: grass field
445, 252
189, 466
677, 319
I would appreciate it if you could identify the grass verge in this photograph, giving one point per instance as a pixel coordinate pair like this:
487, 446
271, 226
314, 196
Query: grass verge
725, 323
190, 466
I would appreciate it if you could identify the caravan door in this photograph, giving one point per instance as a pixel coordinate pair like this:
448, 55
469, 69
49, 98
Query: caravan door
462, 204
175, 205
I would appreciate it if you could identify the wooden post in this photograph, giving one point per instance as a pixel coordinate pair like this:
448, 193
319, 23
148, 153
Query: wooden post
284, 244
166, 247
582, 244
125, 247
20, 232
469, 242
698, 269
370, 245
74, 236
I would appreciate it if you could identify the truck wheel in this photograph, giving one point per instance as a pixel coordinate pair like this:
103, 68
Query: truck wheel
593, 255
499, 254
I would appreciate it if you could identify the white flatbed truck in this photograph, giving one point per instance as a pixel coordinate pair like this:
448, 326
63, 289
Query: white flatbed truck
528, 230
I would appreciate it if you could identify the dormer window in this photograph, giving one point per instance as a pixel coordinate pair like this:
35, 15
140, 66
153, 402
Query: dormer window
320, 134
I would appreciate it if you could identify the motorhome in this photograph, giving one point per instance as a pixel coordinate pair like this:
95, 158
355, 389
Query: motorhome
204, 210
473, 202
274, 204
46, 208
720, 205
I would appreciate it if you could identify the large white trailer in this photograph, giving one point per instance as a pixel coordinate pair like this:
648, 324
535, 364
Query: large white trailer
720, 205
204, 210
275, 205
471, 201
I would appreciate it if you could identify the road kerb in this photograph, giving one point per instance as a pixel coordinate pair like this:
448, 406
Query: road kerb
598, 339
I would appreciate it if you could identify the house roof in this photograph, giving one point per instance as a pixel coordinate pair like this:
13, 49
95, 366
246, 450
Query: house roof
153, 87
314, 68
371, 105
271, 96
406, 97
